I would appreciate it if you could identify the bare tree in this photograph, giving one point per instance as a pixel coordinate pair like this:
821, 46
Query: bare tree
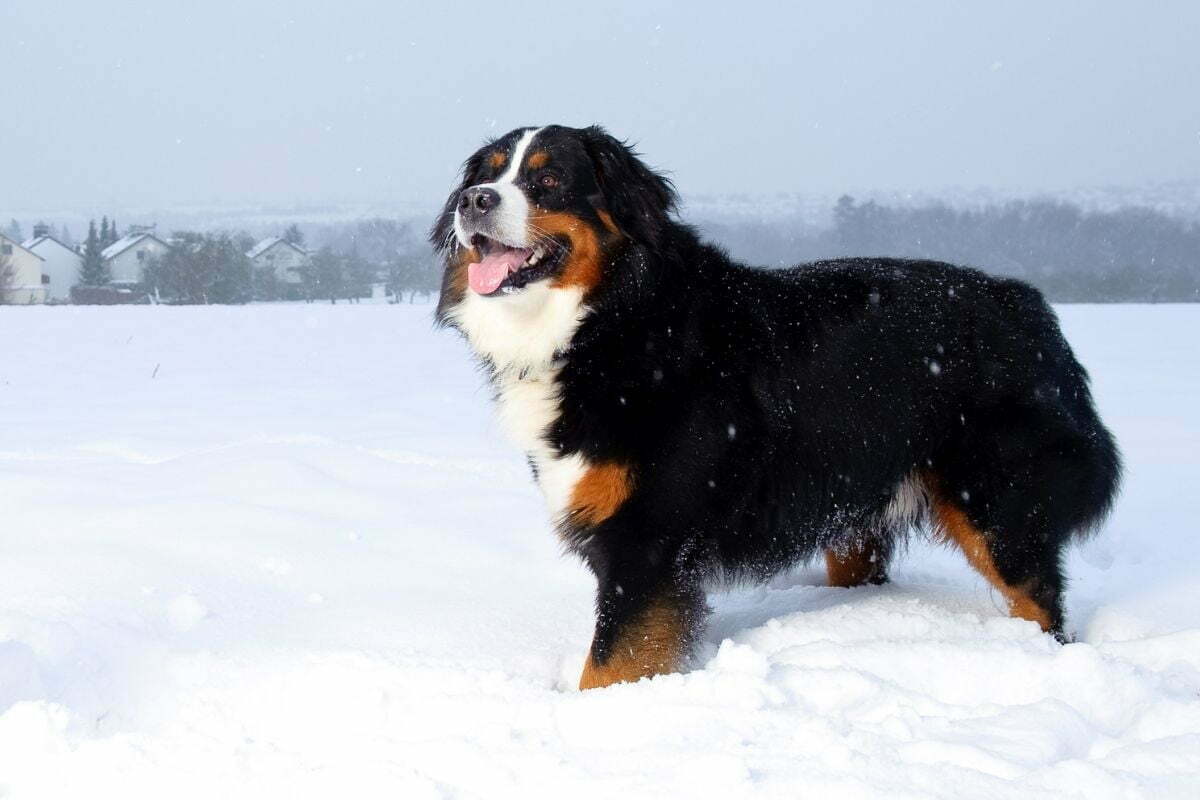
8, 277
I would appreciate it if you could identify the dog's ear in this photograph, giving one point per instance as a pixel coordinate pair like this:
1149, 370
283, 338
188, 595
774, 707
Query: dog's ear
441, 235
638, 198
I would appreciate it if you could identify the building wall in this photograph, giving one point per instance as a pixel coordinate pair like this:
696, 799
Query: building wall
27, 285
61, 264
285, 260
126, 267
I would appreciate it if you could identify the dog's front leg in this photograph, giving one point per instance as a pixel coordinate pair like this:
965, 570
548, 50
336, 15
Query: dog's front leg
641, 631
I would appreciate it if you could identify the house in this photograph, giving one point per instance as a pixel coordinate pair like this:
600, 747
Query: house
60, 263
24, 283
127, 256
285, 258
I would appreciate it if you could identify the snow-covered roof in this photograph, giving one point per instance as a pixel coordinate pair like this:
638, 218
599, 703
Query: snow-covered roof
268, 243
125, 242
263, 246
15, 243
37, 241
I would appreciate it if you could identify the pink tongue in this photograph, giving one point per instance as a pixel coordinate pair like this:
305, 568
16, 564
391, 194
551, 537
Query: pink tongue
486, 276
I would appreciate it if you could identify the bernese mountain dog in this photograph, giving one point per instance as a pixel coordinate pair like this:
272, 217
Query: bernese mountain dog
690, 418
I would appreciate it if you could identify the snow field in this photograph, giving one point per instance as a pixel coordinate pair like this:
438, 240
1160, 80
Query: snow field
284, 551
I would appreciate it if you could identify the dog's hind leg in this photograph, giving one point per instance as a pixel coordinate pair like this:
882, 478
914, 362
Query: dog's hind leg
1026, 573
1011, 496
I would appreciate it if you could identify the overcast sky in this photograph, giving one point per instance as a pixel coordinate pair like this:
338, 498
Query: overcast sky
165, 104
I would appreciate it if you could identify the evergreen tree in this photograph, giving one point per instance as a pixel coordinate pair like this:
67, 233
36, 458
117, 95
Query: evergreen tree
323, 276
359, 275
13, 231
105, 241
267, 285
112, 230
201, 268
93, 271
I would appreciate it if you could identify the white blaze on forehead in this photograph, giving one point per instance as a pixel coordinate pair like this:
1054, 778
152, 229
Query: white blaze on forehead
509, 222
518, 156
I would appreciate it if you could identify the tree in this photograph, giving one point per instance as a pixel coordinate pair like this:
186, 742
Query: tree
359, 276
94, 270
429, 278
8, 277
411, 274
323, 276
293, 235
108, 231
267, 285
201, 268
13, 231
396, 279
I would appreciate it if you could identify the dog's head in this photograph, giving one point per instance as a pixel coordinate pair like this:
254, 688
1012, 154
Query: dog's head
545, 208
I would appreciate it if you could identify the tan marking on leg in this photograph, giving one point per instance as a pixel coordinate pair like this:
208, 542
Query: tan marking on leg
652, 644
953, 523
859, 563
538, 159
599, 493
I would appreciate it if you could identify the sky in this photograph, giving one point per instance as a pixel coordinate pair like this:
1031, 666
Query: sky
228, 104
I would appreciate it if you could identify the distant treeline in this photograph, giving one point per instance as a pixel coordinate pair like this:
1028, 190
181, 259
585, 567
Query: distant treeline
1132, 254
205, 268
1128, 255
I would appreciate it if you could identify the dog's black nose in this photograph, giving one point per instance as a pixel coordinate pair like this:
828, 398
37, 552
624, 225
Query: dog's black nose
478, 200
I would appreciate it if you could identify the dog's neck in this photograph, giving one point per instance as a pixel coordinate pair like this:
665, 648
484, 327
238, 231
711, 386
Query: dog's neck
521, 333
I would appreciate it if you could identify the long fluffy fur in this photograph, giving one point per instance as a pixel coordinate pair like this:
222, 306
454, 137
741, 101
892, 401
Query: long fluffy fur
765, 416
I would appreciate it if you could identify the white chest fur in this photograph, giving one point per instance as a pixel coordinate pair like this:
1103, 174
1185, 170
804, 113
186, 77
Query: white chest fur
523, 330
527, 407
521, 334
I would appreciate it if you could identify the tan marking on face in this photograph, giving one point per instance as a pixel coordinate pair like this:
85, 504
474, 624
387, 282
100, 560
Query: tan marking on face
583, 268
599, 493
498, 159
538, 160
860, 563
607, 219
955, 526
652, 644
458, 269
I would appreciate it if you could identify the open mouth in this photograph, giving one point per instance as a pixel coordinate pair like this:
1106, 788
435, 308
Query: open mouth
503, 269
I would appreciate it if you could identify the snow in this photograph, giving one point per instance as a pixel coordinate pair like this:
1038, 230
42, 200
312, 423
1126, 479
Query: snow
269, 242
263, 246
124, 243
282, 551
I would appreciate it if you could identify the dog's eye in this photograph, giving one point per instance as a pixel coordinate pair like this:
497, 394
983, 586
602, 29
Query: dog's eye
548, 181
